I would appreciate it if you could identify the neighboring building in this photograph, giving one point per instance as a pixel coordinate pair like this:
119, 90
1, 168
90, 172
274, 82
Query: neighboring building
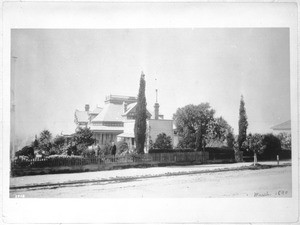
282, 128
154, 128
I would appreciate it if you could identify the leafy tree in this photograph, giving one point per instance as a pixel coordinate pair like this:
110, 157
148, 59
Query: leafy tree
221, 130
194, 124
45, 141
254, 143
141, 116
26, 151
58, 145
243, 124
59, 141
35, 143
286, 140
122, 147
84, 136
163, 142
230, 140
272, 146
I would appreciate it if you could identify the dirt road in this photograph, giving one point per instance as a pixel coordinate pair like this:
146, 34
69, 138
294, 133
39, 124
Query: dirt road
275, 182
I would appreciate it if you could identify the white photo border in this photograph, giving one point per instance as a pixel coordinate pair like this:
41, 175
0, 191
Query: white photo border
99, 15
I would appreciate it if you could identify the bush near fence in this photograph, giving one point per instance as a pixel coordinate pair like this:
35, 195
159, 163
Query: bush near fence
283, 154
220, 153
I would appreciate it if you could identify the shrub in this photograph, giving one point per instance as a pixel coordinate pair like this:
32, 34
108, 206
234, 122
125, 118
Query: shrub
163, 142
89, 152
272, 147
220, 153
80, 149
122, 148
26, 151
286, 141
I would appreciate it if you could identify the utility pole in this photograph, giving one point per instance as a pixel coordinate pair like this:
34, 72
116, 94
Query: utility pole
12, 107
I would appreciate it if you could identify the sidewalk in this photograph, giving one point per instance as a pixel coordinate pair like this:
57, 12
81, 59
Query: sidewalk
125, 174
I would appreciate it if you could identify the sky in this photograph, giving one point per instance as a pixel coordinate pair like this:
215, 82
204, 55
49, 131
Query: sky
56, 71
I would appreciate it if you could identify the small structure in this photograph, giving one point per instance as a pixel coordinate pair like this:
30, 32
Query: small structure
284, 127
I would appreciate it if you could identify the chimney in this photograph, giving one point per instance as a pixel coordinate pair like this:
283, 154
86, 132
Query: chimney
156, 111
124, 107
156, 108
87, 107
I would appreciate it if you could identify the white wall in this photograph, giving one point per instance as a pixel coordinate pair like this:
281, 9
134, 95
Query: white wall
160, 126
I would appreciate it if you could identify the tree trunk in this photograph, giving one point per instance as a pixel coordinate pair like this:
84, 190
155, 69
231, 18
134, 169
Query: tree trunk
255, 159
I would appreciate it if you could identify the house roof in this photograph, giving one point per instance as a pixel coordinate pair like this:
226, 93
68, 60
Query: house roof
129, 108
97, 110
132, 106
110, 112
283, 126
81, 116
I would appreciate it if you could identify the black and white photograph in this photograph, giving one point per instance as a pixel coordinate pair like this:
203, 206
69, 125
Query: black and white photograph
147, 113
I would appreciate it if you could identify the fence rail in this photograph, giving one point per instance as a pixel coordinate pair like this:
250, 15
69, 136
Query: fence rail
82, 161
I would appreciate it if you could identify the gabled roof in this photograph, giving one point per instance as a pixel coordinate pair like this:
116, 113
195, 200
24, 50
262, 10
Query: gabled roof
283, 126
81, 116
97, 110
131, 107
110, 112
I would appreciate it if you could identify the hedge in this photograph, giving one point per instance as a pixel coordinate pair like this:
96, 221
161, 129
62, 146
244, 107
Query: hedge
220, 153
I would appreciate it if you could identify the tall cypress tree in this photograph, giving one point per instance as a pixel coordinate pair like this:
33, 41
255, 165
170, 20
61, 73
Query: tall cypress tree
141, 117
243, 124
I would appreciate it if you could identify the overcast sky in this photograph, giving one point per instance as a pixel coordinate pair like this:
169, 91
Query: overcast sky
58, 71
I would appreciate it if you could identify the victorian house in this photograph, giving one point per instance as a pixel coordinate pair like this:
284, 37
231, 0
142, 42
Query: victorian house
115, 121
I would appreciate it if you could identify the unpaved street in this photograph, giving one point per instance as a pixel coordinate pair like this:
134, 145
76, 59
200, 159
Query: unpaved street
275, 182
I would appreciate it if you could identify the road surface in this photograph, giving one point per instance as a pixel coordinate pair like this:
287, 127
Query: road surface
274, 182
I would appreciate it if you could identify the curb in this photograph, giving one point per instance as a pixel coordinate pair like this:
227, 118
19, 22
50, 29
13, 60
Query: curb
132, 178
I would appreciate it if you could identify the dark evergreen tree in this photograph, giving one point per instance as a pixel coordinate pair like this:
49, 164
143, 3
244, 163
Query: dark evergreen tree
84, 136
163, 142
243, 125
141, 117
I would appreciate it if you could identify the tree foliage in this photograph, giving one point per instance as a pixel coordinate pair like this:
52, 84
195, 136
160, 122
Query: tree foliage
84, 136
221, 131
122, 147
59, 141
45, 141
141, 116
254, 143
243, 124
26, 151
35, 143
163, 142
271, 146
194, 124
286, 141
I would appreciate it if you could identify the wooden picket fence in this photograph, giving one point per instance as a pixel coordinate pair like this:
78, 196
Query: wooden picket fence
188, 157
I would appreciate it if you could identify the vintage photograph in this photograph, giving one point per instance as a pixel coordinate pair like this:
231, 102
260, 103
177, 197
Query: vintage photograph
150, 113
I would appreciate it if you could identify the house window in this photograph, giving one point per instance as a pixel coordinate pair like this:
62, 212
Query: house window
132, 141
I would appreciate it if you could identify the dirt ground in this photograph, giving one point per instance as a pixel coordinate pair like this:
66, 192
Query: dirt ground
275, 182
